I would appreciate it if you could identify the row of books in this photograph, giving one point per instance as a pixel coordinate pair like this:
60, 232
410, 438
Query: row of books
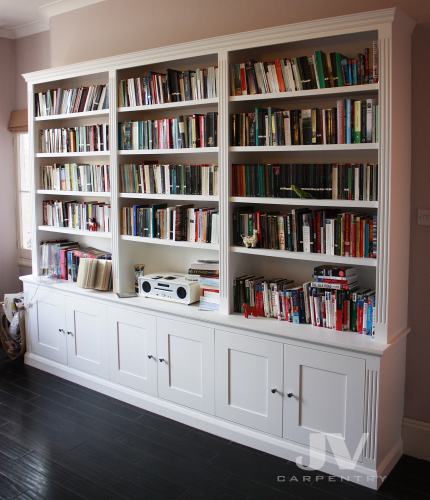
313, 231
64, 101
89, 216
172, 86
75, 177
188, 131
346, 308
208, 273
154, 178
318, 71
75, 139
350, 122
177, 223
345, 181
62, 259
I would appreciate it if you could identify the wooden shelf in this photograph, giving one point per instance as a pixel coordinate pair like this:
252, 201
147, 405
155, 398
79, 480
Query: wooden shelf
335, 91
98, 194
170, 105
313, 257
182, 197
68, 116
372, 146
304, 202
76, 232
75, 154
159, 241
167, 151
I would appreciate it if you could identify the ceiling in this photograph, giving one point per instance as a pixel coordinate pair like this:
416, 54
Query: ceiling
20, 18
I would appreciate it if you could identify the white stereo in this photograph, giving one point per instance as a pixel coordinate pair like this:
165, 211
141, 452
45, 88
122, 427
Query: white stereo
176, 287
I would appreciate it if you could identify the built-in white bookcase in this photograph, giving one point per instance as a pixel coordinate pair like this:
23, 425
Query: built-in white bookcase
348, 35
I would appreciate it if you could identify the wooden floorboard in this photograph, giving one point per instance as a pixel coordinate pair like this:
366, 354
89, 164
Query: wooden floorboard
62, 441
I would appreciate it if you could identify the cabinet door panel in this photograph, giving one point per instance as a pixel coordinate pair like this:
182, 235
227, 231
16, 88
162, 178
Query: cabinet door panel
246, 372
327, 398
134, 350
186, 369
87, 337
47, 324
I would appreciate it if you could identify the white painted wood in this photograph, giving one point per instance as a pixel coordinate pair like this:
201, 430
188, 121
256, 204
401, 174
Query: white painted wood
305, 148
172, 243
247, 370
72, 155
186, 364
96, 194
87, 336
352, 89
47, 324
327, 396
167, 197
69, 230
66, 116
170, 105
303, 202
172, 151
314, 257
133, 350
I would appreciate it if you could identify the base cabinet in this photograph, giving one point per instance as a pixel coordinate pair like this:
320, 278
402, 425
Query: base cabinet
249, 381
133, 340
46, 319
324, 400
186, 364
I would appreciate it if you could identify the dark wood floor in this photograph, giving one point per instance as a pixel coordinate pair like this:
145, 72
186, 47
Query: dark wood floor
61, 441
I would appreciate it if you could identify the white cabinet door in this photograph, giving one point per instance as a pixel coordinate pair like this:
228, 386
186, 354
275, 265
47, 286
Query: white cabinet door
46, 323
186, 364
248, 381
324, 395
133, 350
87, 336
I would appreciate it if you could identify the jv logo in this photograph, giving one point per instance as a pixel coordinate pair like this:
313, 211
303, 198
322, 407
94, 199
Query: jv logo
317, 454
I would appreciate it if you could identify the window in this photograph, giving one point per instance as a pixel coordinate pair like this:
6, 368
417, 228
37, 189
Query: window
24, 206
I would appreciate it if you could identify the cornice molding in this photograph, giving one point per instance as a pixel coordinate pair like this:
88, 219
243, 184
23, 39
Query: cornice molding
57, 7
364, 21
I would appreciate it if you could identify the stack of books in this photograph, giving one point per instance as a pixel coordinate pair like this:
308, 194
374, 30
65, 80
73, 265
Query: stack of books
65, 101
153, 178
208, 272
177, 223
89, 216
185, 131
350, 122
172, 86
337, 181
83, 139
74, 177
333, 300
303, 230
321, 70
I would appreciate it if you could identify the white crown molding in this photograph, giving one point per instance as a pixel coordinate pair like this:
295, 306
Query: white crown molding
31, 28
57, 7
352, 23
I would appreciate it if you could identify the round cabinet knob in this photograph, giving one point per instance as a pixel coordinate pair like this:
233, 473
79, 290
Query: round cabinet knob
70, 333
290, 394
61, 330
181, 292
273, 391
150, 356
162, 360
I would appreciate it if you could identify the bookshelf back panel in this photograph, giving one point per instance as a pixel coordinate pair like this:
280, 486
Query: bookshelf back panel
71, 83
180, 64
85, 241
349, 45
316, 156
157, 258
157, 114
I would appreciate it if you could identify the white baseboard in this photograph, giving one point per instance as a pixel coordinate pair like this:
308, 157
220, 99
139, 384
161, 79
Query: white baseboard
416, 438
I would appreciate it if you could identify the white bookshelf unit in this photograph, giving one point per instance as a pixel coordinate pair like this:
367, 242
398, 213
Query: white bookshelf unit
304, 379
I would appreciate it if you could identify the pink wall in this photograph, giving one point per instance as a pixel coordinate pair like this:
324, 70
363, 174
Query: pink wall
8, 261
120, 26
